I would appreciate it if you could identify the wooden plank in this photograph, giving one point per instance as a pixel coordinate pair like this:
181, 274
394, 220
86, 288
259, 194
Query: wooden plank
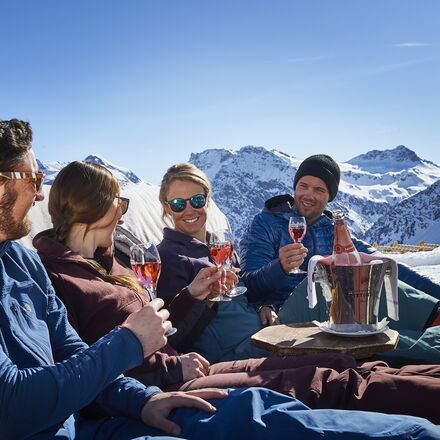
306, 338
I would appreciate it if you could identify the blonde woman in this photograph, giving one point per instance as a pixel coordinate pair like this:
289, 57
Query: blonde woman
217, 330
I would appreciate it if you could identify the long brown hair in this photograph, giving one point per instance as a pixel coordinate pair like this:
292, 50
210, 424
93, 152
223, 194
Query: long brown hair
83, 192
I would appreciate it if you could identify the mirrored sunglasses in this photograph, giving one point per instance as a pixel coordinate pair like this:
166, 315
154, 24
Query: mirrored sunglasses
123, 203
178, 204
37, 178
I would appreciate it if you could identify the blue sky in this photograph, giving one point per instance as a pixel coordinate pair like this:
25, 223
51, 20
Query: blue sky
145, 83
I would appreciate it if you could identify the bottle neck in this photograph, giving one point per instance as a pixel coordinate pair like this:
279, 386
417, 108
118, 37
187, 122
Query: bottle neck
342, 240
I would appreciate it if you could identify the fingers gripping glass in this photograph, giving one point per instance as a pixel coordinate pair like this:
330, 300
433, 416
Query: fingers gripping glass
221, 248
123, 203
178, 204
37, 178
146, 264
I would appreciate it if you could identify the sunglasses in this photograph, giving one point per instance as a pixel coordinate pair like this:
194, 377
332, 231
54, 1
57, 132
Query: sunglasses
37, 178
178, 204
123, 203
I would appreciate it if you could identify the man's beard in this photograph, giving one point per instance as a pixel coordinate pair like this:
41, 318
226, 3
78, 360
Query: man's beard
9, 227
311, 216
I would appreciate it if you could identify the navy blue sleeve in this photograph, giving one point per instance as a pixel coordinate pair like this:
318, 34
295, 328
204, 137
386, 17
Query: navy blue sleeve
40, 397
261, 268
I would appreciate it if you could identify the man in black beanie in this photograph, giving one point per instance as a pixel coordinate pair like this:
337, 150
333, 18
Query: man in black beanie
266, 249
268, 254
324, 167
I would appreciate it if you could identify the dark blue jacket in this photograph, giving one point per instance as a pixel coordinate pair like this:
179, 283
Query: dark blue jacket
46, 372
261, 269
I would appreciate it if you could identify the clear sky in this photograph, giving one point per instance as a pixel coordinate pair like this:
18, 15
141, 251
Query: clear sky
145, 83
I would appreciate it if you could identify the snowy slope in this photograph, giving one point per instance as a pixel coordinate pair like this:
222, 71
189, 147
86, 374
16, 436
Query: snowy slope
414, 219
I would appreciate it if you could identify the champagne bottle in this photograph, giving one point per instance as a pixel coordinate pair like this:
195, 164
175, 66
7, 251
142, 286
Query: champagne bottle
344, 252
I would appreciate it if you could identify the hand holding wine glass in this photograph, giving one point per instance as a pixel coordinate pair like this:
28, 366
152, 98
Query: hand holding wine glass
149, 325
146, 264
297, 231
221, 249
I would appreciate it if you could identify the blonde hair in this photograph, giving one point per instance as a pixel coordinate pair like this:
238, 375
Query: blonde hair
182, 171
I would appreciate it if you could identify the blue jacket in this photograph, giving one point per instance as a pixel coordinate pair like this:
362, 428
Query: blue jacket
261, 269
46, 372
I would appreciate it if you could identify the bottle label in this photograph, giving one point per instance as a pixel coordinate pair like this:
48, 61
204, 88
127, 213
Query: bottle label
339, 249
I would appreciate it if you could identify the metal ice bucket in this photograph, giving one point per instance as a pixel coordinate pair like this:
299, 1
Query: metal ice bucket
352, 293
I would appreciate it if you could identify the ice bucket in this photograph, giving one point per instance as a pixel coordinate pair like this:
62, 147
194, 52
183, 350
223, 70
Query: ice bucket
352, 293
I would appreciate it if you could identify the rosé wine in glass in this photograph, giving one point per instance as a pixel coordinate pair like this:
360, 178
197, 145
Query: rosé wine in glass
146, 264
297, 231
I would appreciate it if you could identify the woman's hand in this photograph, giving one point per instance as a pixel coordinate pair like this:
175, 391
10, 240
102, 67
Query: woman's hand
156, 411
193, 365
211, 282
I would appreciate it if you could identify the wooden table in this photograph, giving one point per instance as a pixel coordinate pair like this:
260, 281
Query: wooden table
307, 338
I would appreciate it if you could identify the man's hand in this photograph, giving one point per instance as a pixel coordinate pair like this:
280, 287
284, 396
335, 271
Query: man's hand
150, 325
291, 256
158, 407
268, 316
193, 365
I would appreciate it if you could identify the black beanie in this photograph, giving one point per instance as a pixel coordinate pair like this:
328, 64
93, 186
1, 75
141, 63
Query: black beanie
324, 167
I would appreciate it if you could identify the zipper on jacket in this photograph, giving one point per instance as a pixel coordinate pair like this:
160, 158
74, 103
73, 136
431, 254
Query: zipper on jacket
16, 313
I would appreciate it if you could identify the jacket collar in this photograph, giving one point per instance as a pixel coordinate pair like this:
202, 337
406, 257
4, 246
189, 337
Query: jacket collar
281, 206
181, 238
4, 247
53, 250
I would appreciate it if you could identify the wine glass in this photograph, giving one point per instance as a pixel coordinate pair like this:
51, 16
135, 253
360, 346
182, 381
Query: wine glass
297, 231
145, 262
221, 250
236, 290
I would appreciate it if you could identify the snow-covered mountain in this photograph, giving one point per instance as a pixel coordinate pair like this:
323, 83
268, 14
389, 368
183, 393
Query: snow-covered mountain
124, 175
389, 195
371, 184
414, 219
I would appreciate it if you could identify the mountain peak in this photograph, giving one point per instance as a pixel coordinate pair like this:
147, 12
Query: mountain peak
380, 161
124, 175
